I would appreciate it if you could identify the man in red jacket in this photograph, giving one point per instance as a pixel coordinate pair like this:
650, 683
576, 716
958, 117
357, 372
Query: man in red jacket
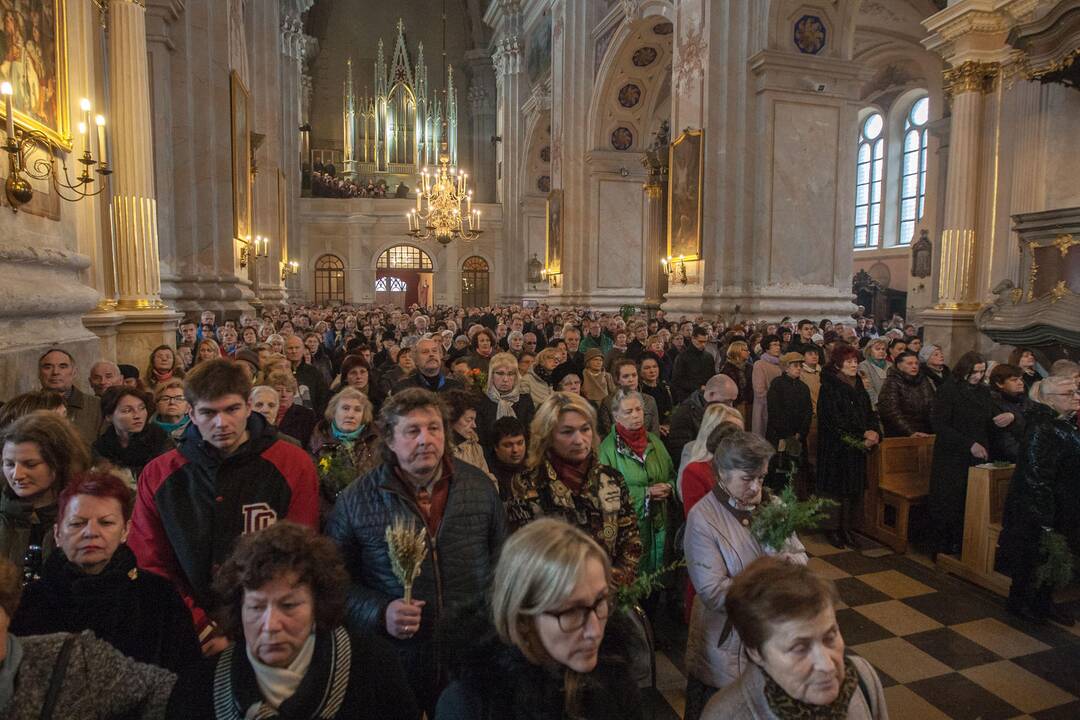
229, 476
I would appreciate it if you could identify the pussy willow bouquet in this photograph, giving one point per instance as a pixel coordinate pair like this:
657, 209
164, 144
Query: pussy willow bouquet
336, 471
408, 548
775, 521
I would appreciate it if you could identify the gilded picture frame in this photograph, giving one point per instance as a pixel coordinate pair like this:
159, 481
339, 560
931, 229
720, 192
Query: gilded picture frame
283, 215
33, 58
240, 102
686, 177
554, 235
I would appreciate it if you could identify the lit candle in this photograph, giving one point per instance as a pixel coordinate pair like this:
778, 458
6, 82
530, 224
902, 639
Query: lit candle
102, 145
85, 105
419, 197
477, 220
468, 200
7, 91
83, 131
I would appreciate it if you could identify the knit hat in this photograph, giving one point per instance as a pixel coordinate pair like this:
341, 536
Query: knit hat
129, 372
591, 353
791, 357
561, 371
249, 356
926, 351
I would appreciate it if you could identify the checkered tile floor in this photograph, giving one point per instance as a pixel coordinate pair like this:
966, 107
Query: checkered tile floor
943, 647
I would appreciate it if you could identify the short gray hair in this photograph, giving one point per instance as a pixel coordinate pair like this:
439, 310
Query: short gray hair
742, 451
622, 395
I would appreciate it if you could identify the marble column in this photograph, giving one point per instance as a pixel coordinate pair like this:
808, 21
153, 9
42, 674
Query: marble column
147, 320
292, 61
655, 242
508, 60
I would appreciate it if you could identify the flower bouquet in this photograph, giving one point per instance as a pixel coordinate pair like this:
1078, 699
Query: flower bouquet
476, 380
774, 522
336, 472
408, 548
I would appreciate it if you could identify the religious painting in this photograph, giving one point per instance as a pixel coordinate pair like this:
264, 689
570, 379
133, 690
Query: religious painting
809, 35
685, 178
33, 58
241, 157
554, 232
538, 54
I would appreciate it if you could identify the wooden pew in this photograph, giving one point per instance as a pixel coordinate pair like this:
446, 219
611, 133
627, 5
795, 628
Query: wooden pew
897, 479
987, 487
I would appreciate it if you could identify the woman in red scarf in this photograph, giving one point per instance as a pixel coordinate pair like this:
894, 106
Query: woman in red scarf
164, 365
644, 463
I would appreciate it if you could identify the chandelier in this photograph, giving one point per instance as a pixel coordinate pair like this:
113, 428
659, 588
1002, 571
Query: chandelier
444, 208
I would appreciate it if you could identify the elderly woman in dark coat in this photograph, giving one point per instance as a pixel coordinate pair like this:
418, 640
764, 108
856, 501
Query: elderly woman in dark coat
1011, 406
961, 419
845, 417
906, 399
1042, 496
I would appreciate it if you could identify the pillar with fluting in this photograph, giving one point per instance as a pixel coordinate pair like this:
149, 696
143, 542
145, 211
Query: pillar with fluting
654, 243
148, 321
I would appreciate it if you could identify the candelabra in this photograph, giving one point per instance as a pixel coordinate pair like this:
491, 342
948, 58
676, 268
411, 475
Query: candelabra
21, 142
551, 277
669, 268
448, 213
289, 268
252, 252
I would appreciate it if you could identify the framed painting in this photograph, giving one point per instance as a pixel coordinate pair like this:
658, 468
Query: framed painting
685, 178
554, 233
33, 58
241, 157
283, 215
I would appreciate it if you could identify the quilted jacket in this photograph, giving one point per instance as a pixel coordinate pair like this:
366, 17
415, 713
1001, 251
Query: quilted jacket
904, 404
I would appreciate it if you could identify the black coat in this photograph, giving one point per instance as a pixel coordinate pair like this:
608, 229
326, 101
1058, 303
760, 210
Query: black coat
487, 409
1042, 492
494, 681
456, 571
142, 448
961, 417
1005, 442
744, 380
842, 410
377, 688
299, 422
312, 377
693, 368
904, 404
665, 401
135, 611
685, 423
790, 409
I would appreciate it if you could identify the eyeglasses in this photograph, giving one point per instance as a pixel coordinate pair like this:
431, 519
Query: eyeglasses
172, 399
575, 618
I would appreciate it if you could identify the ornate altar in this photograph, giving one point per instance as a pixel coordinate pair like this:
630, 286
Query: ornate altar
398, 129
1044, 311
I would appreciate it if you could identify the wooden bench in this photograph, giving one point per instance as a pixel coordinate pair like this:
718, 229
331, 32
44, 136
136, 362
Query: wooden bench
987, 487
897, 479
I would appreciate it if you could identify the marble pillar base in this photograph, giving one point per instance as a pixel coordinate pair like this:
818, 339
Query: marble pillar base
953, 330
103, 323
223, 293
141, 331
272, 296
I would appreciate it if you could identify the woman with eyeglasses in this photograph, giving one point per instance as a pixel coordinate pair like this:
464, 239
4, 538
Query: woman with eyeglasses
173, 412
718, 546
550, 642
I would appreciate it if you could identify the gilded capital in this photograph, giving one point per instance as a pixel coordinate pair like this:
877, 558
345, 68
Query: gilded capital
970, 76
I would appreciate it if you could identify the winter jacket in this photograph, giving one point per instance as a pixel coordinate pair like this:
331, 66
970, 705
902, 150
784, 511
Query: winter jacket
128, 462
765, 371
318, 388
443, 383
742, 375
842, 410
84, 412
693, 368
390, 698
961, 416
494, 681
1042, 492
904, 404
639, 473
99, 681
1005, 442
457, 570
137, 612
468, 450
745, 699
718, 547
936, 377
192, 504
299, 422
487, 409
685, 423
790, 409
22, 526
661, 395
603, 342
602, 508
535, 386
363, 454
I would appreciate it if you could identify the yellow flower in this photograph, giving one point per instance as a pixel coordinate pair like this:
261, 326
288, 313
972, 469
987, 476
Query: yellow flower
325, 463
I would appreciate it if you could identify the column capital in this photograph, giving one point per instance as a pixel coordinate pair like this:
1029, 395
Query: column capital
970, 76
975, 29
507, 56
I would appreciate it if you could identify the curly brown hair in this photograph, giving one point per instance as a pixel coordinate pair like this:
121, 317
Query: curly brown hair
282, 548
398, 406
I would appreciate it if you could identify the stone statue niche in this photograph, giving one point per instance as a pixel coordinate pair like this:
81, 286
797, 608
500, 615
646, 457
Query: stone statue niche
922, 256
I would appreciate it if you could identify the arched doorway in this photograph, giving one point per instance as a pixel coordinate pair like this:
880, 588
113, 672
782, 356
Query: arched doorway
475, 282
329, 280
403, 277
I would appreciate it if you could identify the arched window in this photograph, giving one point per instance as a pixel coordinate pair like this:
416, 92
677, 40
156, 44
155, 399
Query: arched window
390, 284
329, 280
913, 173
869, 175
474, 282
404, 257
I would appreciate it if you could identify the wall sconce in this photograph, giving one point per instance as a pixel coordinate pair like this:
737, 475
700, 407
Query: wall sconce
669, 268
19, 144
287, 269
551, 277
252, 252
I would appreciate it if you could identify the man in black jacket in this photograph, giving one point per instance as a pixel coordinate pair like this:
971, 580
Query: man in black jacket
686, 419
429, 375
307, 375
419, 483
799, 344
790, 407
694, 366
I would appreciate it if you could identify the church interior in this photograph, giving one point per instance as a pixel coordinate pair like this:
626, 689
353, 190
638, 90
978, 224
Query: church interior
711, 160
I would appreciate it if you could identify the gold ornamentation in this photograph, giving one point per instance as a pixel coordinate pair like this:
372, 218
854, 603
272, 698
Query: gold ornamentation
1064, 242
1033, 272
1016, 295
1053, 67
1060, 290
970, 76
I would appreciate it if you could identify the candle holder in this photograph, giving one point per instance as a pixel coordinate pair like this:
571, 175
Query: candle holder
669, 268
287, 269
252, 252
17, 187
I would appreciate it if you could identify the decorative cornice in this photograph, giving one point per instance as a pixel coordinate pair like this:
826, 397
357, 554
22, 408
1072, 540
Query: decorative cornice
970, 76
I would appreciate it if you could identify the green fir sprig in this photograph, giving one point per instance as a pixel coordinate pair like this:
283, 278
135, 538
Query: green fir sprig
854, 442
1056, 570
774, 522
645, 585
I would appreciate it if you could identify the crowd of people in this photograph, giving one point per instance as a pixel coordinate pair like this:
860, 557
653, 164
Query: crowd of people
325, 182
206, 535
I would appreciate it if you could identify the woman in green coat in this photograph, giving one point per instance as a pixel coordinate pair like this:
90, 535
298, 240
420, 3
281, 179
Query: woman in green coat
648, 471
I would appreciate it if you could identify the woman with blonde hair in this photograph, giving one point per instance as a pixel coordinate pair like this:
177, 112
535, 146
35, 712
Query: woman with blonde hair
551, 641
207, 349
292, 418
503, 397
697, 451
564, 478
875, 367
537, 382
738, 368
345, 438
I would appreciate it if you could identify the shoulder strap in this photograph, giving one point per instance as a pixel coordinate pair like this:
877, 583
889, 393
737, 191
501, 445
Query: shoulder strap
57, 679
